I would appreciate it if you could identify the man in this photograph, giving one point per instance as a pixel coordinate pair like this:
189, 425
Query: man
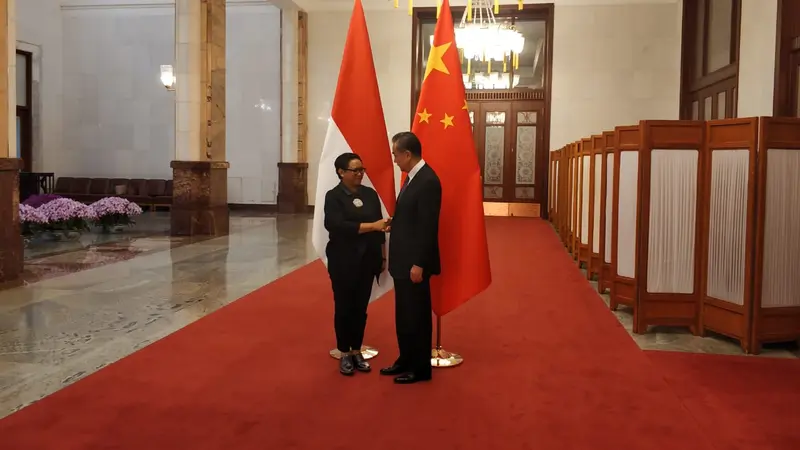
413, 259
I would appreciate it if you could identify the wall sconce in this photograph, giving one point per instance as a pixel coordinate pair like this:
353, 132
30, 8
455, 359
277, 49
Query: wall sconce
168, 77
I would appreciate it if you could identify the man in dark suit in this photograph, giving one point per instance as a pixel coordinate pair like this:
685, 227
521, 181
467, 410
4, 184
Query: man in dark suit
413, 259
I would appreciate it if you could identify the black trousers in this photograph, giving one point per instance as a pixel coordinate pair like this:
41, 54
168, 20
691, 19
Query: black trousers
414, 325
351, 298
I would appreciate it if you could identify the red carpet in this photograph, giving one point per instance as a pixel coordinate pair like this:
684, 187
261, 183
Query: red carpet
547, 367
755, 402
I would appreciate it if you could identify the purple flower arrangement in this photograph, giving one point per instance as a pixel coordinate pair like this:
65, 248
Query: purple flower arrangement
29, 214
31, 219
55, 215
64, 214
114, 211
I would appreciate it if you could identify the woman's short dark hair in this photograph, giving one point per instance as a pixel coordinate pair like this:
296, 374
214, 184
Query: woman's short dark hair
409, 141
343, 162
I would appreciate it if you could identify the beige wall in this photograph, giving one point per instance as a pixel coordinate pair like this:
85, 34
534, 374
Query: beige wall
757, 57
390, 36
612, 65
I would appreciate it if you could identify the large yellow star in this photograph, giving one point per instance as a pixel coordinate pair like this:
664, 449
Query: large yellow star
424, 115
447, 121
435, 60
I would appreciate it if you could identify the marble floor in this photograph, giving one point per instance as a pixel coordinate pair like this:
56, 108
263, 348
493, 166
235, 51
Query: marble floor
85, 305
82, 305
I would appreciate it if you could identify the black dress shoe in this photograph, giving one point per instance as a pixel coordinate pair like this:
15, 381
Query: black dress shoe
394, 369
346, 365
360, 363
411, 378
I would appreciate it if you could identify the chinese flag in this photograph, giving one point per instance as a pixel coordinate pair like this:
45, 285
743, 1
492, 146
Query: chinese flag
443, 126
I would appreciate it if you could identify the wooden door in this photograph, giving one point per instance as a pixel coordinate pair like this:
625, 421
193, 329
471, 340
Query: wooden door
794, 79
508, 140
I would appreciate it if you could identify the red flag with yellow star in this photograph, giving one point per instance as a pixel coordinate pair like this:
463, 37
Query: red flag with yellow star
443, 126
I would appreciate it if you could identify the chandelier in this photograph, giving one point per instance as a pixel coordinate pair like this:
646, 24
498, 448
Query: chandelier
481, 38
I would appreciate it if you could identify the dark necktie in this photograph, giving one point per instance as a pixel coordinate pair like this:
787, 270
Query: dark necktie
403, 187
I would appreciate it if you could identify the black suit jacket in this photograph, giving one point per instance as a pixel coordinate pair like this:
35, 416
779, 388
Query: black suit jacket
349, 253
414, 238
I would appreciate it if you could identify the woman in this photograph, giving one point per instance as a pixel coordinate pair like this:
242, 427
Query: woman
356, 254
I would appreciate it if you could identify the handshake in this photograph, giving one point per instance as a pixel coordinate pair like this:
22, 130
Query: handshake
384, 225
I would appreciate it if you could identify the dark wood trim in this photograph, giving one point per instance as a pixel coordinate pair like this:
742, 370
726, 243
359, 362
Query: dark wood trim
693, 87
25, 113
787, 30
780, 65
727, 72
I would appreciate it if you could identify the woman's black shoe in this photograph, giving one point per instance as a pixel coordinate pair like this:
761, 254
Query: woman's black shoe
346, 365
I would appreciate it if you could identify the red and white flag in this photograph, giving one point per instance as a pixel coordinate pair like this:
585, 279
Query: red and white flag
356, 125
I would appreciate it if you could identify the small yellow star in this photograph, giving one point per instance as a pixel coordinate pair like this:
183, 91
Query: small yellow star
424, 115
465, 106
435, 60
447, 121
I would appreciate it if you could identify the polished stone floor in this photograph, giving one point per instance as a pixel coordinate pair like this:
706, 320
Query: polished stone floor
85, 304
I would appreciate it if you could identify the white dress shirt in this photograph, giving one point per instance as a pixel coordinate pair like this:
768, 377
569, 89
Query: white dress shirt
414, 170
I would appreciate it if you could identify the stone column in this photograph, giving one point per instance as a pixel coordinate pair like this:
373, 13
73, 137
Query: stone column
11, 248
293, 168
200, 171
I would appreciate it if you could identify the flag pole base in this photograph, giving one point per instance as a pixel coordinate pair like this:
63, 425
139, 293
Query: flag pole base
443, 359
367, 351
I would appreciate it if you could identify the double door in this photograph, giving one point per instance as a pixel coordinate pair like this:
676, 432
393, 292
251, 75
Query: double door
509, 139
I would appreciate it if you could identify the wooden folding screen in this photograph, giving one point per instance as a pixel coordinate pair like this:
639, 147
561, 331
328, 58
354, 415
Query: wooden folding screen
574, 196
606, 191
776, 297
564, 195
552, 186
624, 216
670, 206
729, 227
595, 179
585, 166
751, 287
689, 223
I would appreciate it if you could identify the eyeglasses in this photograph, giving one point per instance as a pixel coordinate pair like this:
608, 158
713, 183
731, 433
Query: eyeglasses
360, 170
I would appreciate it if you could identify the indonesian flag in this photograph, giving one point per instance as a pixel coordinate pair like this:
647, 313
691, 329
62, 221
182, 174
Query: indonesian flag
443, 126
356, 125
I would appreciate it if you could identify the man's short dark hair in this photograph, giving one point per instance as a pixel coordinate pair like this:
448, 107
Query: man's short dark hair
408, 141
343, 162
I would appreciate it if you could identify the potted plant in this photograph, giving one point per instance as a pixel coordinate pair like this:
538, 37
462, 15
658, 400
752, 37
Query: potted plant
66, 218
114, 213
32, 222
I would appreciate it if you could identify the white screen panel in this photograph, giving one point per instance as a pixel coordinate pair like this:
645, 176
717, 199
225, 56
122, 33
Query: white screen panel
673, 221
585, 172
609, 205
598, 170
555, 188
571, 199
626, 237
780, 285
727, 225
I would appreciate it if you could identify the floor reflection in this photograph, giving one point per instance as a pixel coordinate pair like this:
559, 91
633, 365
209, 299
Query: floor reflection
89, 303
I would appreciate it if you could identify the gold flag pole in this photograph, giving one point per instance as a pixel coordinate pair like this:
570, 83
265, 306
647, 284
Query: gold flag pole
367, 351
441, 357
